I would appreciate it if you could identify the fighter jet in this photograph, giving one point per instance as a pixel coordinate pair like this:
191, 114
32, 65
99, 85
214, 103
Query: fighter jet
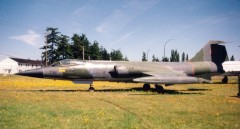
207, 62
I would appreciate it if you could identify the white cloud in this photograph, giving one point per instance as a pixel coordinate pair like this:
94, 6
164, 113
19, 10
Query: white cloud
31, 38
125, 36
80, 17
122, 16
117, 20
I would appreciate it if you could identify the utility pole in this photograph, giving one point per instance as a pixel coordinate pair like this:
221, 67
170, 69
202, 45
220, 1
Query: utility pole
164, 49
238, 94
46, 49
147, 53
83, 52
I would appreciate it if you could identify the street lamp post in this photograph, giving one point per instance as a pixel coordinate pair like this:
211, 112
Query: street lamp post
164, 48
147, 53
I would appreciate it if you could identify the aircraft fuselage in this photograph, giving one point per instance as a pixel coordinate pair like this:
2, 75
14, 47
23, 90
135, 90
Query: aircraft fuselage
122, 70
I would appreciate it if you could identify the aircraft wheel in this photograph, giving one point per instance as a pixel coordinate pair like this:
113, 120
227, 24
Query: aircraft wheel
225, 80
146, 87
91, 89
159, 89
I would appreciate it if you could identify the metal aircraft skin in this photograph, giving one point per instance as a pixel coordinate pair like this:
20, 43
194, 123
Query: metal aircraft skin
208, 61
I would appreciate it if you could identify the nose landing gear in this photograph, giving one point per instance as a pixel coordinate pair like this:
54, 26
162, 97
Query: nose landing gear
91, 88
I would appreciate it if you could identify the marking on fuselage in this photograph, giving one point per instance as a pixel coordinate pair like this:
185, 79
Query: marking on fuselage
61, 70
192, 68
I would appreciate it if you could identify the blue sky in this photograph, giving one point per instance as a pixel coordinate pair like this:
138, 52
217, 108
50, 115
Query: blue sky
133, 26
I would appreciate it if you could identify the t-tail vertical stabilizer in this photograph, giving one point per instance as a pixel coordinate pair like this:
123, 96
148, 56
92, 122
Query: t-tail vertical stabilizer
214, 52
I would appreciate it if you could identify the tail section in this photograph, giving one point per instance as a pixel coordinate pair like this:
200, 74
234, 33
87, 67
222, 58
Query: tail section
214, 52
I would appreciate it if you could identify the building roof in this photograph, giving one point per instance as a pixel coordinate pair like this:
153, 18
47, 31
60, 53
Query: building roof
27, 61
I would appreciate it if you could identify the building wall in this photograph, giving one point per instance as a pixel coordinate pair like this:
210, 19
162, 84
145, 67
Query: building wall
24, 67
9, 66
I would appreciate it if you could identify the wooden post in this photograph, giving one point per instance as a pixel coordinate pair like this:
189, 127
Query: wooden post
238, 95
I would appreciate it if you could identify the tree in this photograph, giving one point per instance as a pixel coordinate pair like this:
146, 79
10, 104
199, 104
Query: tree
116, 55
125, 58
183, 57
58, 48
144, 57
104, 55
166, 59
155, 59
232, 58
52, 38
63, 48
174, 56
177, 56
95, 51
86, 44
77, 47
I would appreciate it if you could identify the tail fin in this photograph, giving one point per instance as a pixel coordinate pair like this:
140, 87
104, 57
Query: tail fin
214, 52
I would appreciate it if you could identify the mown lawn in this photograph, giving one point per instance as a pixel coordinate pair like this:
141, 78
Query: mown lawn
42, 103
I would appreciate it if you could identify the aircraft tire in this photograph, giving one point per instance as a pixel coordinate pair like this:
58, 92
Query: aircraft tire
146, 87
159, 89
91, 89
225, 80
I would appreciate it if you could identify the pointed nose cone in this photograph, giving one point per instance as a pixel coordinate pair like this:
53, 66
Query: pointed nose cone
32, 73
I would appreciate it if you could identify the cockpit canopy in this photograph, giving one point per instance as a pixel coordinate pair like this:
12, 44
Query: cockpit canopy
67, 62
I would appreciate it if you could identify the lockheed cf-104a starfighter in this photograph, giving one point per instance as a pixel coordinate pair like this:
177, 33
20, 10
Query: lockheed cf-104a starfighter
207, 62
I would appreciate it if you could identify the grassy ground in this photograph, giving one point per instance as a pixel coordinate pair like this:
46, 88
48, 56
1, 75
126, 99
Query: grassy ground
42, 103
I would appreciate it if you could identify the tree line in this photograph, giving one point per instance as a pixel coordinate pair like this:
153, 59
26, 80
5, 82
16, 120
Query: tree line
175, 57
59, 46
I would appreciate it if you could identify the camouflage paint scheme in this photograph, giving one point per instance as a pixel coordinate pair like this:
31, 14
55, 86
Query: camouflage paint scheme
150, 72
209, 63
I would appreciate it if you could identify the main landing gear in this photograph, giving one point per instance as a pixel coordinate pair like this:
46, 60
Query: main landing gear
158, 88
225, 80
146, 87
91, 88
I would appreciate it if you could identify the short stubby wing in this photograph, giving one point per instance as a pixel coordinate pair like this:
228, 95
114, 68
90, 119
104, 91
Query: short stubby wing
171, 79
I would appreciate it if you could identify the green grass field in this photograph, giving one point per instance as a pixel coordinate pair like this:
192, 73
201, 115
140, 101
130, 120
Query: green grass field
42, 103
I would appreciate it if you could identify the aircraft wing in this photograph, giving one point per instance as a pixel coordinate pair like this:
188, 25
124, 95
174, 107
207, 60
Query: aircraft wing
155, 78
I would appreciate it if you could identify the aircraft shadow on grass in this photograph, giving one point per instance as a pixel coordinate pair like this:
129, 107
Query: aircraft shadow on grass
224, 83
134, 90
